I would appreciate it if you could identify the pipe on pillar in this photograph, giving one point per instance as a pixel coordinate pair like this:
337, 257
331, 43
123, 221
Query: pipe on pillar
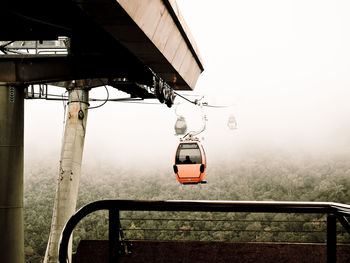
11, 174
70, 167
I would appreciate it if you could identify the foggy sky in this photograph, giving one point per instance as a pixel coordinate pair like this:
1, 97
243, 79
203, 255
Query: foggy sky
282, 65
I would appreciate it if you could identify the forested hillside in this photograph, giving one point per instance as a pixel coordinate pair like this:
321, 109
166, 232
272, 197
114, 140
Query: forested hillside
271, 176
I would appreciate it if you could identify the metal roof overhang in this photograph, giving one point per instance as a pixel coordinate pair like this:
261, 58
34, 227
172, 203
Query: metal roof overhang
109, 39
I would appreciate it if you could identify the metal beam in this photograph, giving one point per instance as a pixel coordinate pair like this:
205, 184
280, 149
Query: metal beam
34, 69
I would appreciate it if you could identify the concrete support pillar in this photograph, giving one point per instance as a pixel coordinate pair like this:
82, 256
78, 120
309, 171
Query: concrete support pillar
69, 172
11, 174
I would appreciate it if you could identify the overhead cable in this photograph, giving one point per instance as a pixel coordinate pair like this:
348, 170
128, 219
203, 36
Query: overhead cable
95, 107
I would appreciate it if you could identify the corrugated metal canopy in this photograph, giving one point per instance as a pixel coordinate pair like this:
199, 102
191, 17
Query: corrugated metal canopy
155, 32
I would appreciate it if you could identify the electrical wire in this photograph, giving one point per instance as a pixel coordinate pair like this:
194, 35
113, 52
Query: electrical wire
95, 107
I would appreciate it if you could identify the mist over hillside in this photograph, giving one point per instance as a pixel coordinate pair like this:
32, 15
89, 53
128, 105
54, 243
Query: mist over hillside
273, 175
229, 178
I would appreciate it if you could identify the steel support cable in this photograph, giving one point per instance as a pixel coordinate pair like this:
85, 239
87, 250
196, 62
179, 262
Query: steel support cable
65, 97
8, 43
205, 104
181, 96
344, 221
3, 47
123, 100
132, 100
42, 21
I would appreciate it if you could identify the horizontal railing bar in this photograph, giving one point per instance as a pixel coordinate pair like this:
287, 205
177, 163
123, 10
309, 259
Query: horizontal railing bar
221, 220
220, 230
241, 241
220, 206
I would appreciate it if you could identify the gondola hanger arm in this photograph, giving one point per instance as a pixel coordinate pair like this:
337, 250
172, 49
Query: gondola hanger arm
192, 134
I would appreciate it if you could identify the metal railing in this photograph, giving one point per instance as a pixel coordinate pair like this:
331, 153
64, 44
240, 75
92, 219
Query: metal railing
334, 211
218, 227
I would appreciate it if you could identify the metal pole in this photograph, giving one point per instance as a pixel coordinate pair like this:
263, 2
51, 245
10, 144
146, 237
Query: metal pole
331, 238
113, 233
70, 167
11, 174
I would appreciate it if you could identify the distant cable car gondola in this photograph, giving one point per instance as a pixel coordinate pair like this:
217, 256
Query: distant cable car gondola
190, 162
232, 123
180, 126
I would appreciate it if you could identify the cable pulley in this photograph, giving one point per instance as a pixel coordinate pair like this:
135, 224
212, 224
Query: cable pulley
159, 90
163, 92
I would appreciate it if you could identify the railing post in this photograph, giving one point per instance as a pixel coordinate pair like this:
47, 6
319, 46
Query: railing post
331, 238
113, 235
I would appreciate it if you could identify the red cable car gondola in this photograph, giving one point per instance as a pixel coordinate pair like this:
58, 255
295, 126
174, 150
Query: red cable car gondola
190, 162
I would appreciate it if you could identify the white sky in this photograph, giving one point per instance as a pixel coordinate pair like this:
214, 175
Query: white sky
284, 65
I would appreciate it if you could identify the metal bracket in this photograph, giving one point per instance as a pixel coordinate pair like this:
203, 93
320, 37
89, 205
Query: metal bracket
125, 246
345, 223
